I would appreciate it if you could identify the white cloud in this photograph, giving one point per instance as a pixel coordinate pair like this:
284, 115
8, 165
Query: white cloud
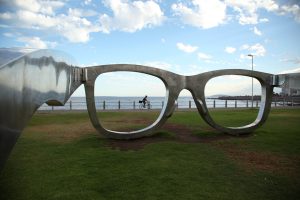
29, 19
87, 2
36, 42
190, 70
40, 15
289, 71
291, 9
131, 16
183, 70
8, 34
230, 49
158, 64
291, 60
248, 18
6, 15
256, 50
263, 20
81, 12
243, 56
72, 26
256, 31
186, 47
204, 56
202, 14
45, 7
76, 29
245, 46
248, 9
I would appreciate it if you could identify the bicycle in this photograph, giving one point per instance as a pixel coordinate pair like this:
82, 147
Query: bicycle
147, 105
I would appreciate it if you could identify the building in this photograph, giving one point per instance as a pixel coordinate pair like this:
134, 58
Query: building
291, 86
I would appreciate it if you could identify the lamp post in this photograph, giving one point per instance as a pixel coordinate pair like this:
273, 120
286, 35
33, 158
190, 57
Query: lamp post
251, 55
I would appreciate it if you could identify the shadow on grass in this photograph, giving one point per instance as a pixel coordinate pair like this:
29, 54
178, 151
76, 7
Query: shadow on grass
171, 132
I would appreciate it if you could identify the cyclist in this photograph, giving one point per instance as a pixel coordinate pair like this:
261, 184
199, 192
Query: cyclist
145, 100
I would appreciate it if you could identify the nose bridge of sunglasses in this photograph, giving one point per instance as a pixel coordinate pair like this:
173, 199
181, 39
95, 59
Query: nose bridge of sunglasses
195, 85
200, 105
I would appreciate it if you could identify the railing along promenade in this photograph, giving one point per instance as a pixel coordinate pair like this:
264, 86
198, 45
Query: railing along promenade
183, 104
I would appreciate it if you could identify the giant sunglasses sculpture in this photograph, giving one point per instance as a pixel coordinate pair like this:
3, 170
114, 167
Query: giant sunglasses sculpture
29, 78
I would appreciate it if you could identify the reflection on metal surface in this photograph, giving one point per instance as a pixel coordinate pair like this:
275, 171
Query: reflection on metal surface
29, 78
291, 86
9, 54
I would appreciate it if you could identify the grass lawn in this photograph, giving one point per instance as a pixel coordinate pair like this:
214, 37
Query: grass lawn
61, 156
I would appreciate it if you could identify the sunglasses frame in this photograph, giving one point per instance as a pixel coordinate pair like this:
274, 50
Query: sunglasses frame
174, 84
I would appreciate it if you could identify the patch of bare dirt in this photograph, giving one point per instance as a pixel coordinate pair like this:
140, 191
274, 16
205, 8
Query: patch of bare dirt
185, 135
264, 161
61, 133
124, 121
181, 134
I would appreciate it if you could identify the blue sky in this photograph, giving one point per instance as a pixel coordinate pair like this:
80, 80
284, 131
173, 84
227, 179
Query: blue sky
186, 37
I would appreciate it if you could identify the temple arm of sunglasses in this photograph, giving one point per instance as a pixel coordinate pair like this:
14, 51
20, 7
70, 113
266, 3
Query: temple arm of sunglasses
27, 80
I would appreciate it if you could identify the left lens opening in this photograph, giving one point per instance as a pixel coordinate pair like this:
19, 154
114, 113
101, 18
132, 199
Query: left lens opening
128, 101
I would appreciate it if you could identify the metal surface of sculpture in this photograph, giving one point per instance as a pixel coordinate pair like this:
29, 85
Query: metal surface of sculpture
29, 78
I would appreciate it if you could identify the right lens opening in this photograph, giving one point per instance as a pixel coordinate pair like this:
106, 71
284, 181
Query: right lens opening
233, 100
